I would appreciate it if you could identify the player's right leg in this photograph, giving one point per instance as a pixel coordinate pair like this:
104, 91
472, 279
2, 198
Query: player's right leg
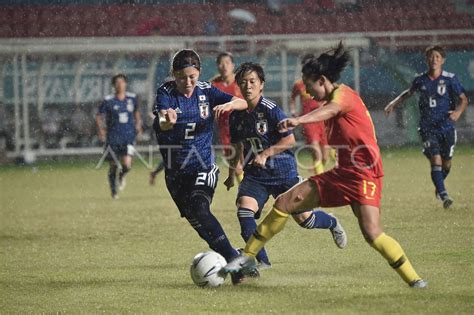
248, 207
302, 196
369, 222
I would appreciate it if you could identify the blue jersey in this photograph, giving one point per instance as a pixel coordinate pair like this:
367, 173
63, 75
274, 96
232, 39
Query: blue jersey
188, 145
119, 118
257, 130
437, 98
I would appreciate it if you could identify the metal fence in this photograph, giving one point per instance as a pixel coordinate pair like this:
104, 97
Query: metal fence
50, 88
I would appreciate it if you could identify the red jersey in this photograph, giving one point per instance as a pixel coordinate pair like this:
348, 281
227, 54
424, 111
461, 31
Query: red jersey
223, 121
307, 101
352, 133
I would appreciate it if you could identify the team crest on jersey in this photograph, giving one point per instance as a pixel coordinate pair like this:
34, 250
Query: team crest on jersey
441, 87
204, 110
203, 107
261, 126
130, 105
116, 107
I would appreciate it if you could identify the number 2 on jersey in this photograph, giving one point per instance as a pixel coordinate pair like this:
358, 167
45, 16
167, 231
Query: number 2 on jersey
189, 131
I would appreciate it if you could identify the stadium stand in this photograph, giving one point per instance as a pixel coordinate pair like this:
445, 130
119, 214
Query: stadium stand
322, 16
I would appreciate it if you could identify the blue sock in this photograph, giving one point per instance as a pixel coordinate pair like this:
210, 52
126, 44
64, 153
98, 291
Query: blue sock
112, 183
438, 180
319, 220
209, 228
248, 226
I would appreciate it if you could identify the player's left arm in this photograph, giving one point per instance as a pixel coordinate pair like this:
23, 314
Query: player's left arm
323, 113
285, 143
458, 90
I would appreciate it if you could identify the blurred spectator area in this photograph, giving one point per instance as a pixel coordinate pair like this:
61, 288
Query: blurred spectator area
193, 18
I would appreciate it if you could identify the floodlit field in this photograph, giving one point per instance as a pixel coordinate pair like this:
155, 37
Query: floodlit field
66, 246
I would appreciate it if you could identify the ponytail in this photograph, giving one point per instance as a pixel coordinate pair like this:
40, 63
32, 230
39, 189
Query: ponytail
330, 64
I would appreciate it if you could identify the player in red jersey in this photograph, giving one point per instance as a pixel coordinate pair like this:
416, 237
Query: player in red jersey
356, 181
225, 82
314, 132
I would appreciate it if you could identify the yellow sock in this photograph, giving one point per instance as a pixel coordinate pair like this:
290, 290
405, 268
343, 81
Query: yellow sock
271, 225
240, 177
394, 254
318, 167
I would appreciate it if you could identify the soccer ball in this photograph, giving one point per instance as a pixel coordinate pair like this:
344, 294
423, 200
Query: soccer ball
205, 269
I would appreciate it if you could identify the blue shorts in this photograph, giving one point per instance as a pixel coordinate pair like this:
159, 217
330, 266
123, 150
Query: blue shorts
439, 142
182, 187
260, 192
119, 150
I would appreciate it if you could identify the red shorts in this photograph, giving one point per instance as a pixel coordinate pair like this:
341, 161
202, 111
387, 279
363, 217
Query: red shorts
341, 187
315, 132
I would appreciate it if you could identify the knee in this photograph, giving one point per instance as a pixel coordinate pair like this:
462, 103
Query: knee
282, 202
371, 234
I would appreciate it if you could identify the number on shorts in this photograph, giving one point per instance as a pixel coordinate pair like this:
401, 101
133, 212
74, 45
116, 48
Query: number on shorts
369, 188
189, 132
201, 179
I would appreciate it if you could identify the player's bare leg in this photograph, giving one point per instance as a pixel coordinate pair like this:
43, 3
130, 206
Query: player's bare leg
438, 174
303, 196
389, 248
126, 163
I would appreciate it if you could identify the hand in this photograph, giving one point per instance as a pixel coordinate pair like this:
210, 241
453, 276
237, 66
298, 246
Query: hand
454, 115
260, 160
171, 116
288, 124
229, 182
388, 109
219, 110
167, 119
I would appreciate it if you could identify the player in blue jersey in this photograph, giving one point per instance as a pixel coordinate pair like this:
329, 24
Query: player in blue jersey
118, 122
185, 109
269, 164
441, 103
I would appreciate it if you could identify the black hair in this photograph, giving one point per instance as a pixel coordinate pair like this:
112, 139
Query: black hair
224, 54
306, 57
119, 76
249, 67
330, 64
186, 58
436, 48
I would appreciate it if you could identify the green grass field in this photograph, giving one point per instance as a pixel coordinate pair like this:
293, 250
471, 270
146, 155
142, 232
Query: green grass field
67, 247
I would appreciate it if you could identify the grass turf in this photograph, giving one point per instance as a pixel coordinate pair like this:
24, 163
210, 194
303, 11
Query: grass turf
67, 247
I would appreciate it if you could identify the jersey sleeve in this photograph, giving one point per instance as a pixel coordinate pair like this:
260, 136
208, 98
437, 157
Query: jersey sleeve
344, 99
234, 134
217, 97
162, 101
456, 86
277, 115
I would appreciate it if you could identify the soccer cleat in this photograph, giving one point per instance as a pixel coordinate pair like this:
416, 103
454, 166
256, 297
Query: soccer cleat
338, 234
264, 265
242, 263
115, 196
122, 183
419, 284
447, 202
